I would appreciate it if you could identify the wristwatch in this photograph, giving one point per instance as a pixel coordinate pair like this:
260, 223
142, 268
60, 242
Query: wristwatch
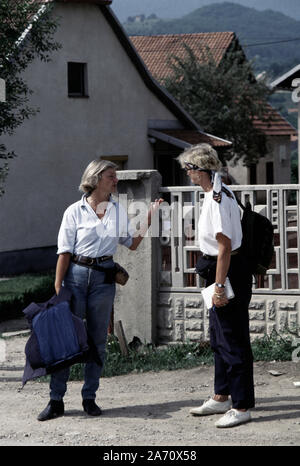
219, 285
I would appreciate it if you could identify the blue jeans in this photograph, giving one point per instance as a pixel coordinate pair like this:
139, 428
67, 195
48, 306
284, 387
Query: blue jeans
92, 299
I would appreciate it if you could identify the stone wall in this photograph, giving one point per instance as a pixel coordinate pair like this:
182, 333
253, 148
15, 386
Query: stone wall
183, 316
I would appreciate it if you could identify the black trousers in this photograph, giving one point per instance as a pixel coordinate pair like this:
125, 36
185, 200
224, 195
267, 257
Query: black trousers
230, 339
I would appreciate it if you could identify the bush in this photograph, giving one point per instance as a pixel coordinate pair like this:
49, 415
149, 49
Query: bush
273, 347
18, 292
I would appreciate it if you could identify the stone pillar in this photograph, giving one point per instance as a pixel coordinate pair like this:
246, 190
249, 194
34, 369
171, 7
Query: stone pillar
135, 303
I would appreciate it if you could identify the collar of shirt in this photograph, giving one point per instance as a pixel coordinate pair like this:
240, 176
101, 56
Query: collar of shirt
84, 204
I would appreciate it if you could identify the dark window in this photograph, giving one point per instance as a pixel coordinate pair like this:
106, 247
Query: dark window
269, 173
120, 160
253, 173
77, 79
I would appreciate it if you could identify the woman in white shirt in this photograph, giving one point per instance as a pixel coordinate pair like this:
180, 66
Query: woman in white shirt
90, 232
220, 238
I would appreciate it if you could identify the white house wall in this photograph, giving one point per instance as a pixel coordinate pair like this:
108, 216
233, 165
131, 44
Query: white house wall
55, 146
281, 164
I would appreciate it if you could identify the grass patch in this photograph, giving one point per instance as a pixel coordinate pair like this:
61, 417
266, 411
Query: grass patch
18, 292
183, 356
149, 358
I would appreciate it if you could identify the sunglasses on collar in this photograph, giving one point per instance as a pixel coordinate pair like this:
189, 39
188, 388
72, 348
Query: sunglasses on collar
192, 166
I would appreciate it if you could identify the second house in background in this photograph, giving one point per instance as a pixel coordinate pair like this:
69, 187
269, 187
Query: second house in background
275, 168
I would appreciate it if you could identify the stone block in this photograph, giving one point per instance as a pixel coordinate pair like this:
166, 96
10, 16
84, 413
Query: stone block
257, 315
193, 325
194, 336
194, 314
179, 309
255, 304
256, 327
288, 305
293, 320
271, 310
282, 320
193, 302
179, 331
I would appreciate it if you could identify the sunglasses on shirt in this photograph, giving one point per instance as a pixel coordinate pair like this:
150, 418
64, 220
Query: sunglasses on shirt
192, 166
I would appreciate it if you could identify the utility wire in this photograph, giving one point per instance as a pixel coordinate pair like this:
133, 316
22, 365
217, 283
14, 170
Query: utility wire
271, 43
222, 48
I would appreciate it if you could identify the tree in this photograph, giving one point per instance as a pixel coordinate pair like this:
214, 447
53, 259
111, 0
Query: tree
27, 30
224, 98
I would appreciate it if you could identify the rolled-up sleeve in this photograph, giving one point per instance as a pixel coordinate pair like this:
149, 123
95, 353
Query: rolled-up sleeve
221, 218
67, 233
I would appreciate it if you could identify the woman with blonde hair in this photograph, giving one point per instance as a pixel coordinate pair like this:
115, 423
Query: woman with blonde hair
90, 232
220, 238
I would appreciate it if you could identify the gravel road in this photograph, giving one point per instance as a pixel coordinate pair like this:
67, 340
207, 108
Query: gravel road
149, 409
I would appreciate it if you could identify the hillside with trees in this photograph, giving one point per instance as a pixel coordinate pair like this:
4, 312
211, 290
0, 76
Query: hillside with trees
269, 38
177, 8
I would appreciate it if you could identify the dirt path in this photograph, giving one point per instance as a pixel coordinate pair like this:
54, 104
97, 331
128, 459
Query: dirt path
149, 409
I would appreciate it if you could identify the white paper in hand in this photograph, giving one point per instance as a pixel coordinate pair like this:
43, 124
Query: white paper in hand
207, 293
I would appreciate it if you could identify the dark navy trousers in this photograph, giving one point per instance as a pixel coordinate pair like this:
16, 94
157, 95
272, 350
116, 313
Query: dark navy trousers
230, 339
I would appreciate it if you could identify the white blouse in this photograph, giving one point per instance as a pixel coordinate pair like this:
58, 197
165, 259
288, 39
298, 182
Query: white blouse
82, 232
223, 217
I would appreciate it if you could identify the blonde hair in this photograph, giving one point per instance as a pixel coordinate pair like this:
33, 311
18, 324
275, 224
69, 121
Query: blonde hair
203, 155
92, 174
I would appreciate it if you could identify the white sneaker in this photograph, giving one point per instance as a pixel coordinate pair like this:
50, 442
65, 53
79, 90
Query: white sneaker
233, 417
211, 407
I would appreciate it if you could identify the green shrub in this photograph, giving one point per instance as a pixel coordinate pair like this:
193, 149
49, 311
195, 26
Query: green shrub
273, 347
18, 292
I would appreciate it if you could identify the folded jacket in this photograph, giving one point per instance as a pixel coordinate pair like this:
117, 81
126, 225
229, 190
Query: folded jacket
58, 338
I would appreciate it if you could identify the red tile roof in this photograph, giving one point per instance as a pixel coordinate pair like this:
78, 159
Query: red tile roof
156, 50
278, 126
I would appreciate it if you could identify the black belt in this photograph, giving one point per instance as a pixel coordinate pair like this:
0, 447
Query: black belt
233, 253
206, 256
84, 260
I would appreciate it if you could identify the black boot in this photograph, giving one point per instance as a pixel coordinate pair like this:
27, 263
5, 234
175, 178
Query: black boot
91, 408
53, 409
